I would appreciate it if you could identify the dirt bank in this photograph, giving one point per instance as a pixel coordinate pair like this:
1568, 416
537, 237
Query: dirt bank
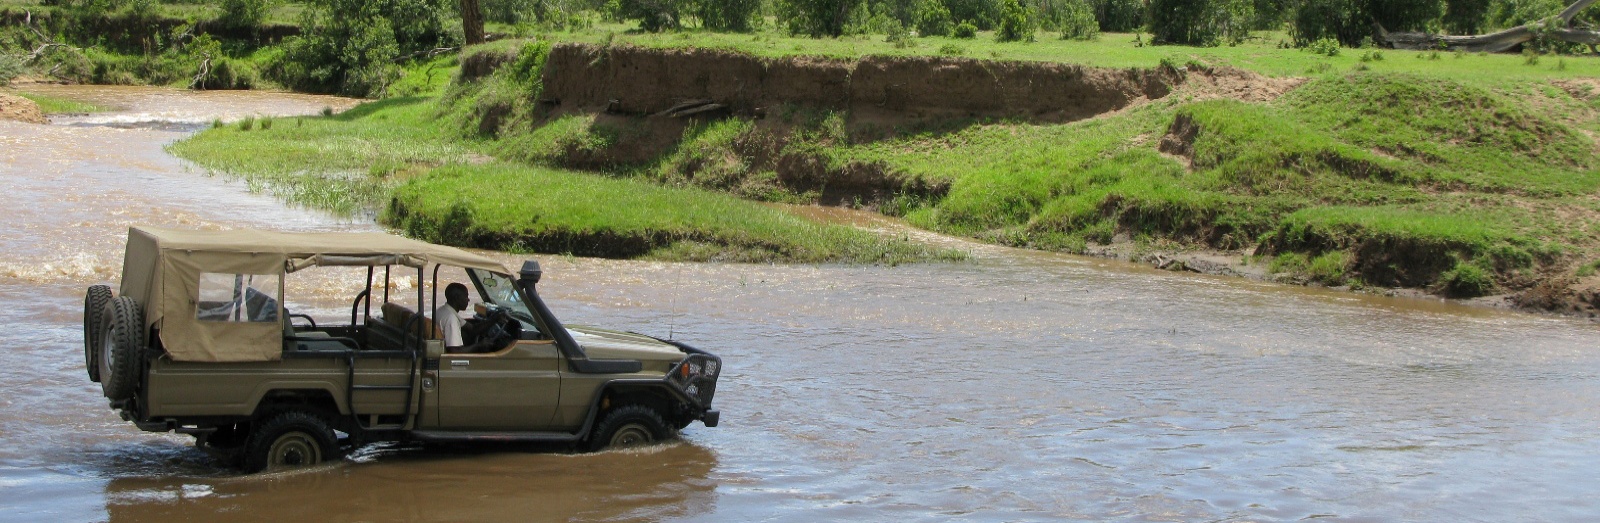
20, 109
647, 81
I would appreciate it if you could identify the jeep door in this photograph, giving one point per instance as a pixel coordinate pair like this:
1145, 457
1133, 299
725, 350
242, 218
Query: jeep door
517, 388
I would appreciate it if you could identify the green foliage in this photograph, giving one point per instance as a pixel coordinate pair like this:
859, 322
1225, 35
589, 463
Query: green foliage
964, 30
653, 15
247, 123
1467, 280
10, 68
1076, 21
1016, 23
1200, 22
1120, 16
952, 50
351, 47
933, 19
1466, 17
817, 17
243, 13
727, 15
1325, 47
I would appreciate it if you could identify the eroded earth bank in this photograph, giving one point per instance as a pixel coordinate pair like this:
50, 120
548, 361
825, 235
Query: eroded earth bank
1376, 181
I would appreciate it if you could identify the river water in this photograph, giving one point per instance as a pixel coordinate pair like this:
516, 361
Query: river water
1018, 386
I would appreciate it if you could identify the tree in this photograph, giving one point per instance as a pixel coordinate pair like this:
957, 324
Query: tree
1016, 23
471, 22
726, 15
817, 17
1200, 22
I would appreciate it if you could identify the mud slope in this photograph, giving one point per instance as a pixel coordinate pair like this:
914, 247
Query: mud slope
637, 80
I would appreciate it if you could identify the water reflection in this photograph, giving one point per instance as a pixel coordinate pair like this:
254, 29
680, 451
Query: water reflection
441, 484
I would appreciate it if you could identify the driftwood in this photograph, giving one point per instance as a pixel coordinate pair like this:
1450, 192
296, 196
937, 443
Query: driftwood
1558, 27
199, 82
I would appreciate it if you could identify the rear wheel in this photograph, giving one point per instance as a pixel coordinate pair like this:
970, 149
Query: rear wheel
94, 304
289, 440
629, 426
121, 347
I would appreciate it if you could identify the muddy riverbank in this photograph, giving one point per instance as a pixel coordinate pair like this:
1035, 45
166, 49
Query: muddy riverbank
1018, 386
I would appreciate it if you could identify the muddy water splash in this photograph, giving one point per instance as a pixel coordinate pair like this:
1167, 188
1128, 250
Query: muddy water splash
1020, 386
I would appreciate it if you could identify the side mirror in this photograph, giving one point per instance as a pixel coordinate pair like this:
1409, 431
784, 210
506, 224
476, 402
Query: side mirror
530, 273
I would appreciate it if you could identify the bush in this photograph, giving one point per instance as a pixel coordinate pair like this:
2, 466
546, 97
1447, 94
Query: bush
1120, 16
10, 68
653, 15
1465, 17
1077, 22
965, 30
952, 50
1467, 280
350, 47
727, 15
1016, 23
984, 14
243, 13
1325, 47
933, 19
1350, 21
817, 17
1200, 22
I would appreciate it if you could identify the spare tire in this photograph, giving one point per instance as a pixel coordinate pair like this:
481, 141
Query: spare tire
121, 348
94, 305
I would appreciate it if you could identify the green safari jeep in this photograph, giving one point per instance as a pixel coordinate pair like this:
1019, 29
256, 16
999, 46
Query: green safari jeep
199, 341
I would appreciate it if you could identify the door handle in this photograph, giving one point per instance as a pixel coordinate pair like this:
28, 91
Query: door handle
460, 363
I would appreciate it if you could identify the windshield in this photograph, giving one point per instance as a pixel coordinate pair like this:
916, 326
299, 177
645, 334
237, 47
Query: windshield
501, 291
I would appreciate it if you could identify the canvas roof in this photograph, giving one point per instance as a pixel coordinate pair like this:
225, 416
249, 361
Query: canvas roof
162, 269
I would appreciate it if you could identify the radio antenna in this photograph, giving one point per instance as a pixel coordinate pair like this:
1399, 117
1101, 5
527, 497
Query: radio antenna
672, 305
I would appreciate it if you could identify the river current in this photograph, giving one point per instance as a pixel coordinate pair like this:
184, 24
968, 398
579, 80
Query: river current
1017, 386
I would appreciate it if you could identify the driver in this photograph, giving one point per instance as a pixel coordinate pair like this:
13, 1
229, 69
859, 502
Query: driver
452, 328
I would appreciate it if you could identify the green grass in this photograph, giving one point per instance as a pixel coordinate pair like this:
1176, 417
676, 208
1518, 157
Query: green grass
400, 157
57, 105
346, 163
1263, 55
521, 208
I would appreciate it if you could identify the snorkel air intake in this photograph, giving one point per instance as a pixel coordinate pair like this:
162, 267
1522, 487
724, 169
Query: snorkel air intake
528, 280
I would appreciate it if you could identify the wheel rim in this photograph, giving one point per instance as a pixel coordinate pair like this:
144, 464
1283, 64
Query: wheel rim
295, 449
105, 353
631, 435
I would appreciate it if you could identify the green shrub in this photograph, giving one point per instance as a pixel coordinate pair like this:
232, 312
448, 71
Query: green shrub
1077, 22
933, 19
10, 67
952, 50
653, 15
965, 30
727, 15
1200, 22
1016, 23
247, 123
1325, 47
817, 17
1120, 16
243, 13
1467, 280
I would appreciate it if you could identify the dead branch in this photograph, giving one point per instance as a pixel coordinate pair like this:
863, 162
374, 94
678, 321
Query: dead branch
199, 82
39, 53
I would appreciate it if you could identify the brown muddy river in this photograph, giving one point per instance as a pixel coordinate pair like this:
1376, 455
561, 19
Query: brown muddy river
1018, 386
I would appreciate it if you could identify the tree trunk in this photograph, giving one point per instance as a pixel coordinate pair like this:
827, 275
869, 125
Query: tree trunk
1496, 42
472, 22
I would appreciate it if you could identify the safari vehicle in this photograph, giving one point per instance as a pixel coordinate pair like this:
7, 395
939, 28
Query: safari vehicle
199, 341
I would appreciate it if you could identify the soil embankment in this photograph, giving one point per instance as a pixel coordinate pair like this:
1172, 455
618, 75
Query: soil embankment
645, 81
20, 109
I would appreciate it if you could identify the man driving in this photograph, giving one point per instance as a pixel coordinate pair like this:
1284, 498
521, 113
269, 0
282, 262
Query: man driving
451, 327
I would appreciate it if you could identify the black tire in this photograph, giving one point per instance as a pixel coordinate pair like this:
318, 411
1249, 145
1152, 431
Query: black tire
629, 426
94, 305
121, 347
289, 440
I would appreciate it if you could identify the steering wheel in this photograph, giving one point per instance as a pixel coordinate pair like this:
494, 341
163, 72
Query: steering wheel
500, 329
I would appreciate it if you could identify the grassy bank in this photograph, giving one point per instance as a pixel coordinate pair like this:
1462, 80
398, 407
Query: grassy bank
1459, 175
57, 105
397, 157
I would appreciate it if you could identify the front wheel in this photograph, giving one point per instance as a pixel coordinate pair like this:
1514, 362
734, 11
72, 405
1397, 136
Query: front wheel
629, 426
289, 440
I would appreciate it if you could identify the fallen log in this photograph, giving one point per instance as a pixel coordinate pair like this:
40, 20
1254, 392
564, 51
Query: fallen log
1560, 29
